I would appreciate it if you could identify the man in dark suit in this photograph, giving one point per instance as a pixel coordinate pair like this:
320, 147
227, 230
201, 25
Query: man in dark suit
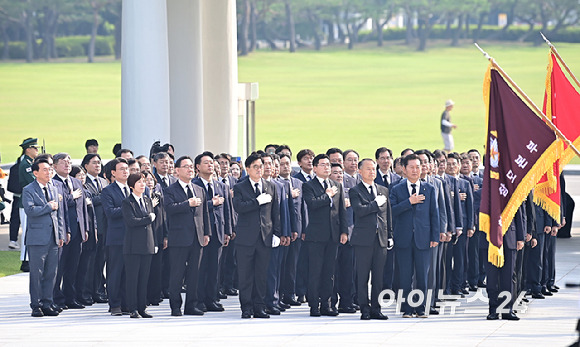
370, 237
416, 231
95, 185
161, 164
112, 198
189, 231
499, 280
77, 219
326, 228
475, 158
258, 220
45, 235
219, 209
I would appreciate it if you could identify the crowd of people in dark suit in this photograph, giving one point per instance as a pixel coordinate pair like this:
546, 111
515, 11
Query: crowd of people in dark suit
137, 231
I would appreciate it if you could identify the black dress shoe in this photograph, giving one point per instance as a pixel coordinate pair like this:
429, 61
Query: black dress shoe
165, 295
246, 314
284, 305
348, 309
100, 299
365, 316
553, 289
25, 267
314, 312
134, 314
433, 311
555, 286
231, 292
125, 311
145, 314
538, 296
202, 307
356, 307
213, 307
458, 293
378, 315
528, 292
472, 288
280, 308
509, 316
193, 312
301, 299
154, 303
271, 310
464, 291
481, 284
222, 296
261, 314
524, 299
177, 312
75, 305
37, 312
49, 311
116, 311
291, 302
546, 292
328, 312
86, 302
493, 316
218, 304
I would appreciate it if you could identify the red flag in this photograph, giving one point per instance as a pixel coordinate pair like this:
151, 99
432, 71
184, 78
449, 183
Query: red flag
520, 149
561, 102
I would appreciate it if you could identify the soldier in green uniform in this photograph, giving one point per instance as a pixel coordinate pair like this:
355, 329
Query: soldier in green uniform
25, 177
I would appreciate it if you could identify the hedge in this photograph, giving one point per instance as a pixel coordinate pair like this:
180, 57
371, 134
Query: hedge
70, 46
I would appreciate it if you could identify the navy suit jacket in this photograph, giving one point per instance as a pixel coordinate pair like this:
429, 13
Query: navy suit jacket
43, 224
256, 221
420, 220
297, 206
95, 195
185, 223
219, 216
394, 179
369, 217
284, 201
441, 205
464, 186
326, 222
112, 199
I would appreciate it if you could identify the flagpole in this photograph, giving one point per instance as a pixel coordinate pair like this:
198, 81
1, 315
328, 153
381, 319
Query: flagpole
555, 51
529, 101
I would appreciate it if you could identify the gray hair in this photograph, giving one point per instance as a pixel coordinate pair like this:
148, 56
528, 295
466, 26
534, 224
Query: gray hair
60, 156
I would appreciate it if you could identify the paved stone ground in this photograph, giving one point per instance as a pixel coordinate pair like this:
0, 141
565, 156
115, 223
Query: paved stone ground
549, 322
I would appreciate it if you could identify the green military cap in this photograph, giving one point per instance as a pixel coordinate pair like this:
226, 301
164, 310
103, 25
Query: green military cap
29, 142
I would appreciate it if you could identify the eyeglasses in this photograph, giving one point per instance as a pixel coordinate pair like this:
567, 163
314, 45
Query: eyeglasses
189, 167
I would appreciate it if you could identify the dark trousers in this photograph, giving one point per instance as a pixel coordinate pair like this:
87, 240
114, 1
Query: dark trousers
43, 261
434, 273
302, 270
458, 269
549, 268
499, 281
85, 278
253, 262
99, 267
370, 261
65, 289
229, 266
184, 265
321, 260
136, 275
473, 260
288, 284
389, 270
14, 219
154, 285
207, 287
443, 274
535, 263
411, 260
272, 297
116, 276
166, 272
344, 274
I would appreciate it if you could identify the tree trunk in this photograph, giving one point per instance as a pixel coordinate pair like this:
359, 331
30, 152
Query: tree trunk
331, 33
245, 26
253, 30
5, 42
527, 34
290, 26
409, 35
314, 22
424, 30
457, 31
477, 31
28, 30
95, 26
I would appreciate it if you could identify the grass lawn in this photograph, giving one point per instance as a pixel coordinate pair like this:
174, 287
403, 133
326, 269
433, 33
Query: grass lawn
9, 263
361, 99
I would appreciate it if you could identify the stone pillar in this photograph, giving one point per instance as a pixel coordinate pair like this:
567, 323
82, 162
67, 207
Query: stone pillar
145, 75
185, 76
220, 76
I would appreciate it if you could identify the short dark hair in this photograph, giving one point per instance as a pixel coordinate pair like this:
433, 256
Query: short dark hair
140, 156
360, 163
319, 158
271, 145
275, 157
44, 156
464, 156
473, 150
160, 155
347, 152
454, 155
333, 150
131, 161
398, 160
408, 158
425, 152
91, 142
37, 162
336, 165
439, 153
133, 178
147, 174
224, 156
88, 158
204, 154
75, 170
116, 162
116, 148
303, 153
406, 149
182, 158
281, 148
284, 155
382, 150
123, 151
252, 158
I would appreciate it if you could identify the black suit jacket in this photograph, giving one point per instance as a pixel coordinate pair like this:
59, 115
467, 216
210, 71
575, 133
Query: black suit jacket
138, 231
94, 193
255, 220
172, 180
325, 222
369, 217
219, 216
185, 223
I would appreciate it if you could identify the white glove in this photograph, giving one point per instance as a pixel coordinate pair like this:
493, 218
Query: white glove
152, 216
264, 198
381, 199
390, 244
275, 241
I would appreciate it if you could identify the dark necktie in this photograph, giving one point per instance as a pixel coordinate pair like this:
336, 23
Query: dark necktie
142, 206
98, 185
46, 194
414, 188
308, 178
66, 185
325, 185
126, 191
209, 191
257, 185
372, 192
386, 180
165, 182
189, 192
224, 180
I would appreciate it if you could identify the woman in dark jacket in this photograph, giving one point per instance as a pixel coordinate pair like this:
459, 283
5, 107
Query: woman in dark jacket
139, 244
